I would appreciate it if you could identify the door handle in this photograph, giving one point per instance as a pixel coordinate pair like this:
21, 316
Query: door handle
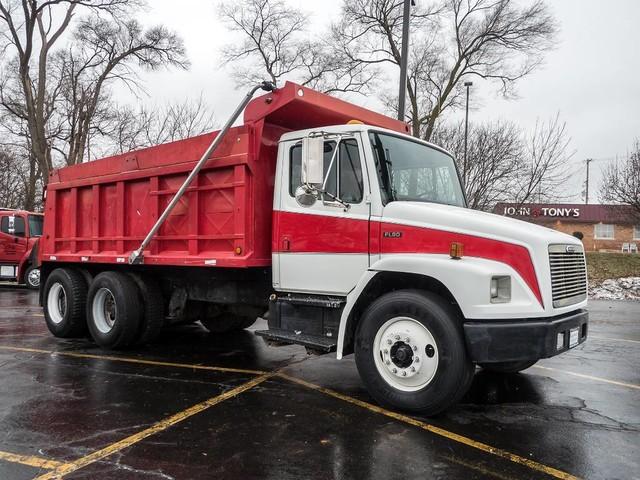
286, 244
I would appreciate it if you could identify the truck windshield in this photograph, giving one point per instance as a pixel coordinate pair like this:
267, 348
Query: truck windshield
413, 171
35, 225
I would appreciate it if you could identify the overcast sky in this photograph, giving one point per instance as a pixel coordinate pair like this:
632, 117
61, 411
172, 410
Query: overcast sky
592, 78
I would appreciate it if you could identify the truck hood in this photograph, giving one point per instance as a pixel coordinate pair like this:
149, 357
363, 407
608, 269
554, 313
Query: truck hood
474, 222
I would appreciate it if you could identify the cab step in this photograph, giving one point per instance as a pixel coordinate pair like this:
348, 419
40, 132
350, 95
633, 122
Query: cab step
312, 342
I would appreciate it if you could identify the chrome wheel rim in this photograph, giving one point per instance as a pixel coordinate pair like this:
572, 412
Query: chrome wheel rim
56, 303
405, 353
104, 310
34, 277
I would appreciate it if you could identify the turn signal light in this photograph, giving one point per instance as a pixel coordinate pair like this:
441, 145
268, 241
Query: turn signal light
456, 250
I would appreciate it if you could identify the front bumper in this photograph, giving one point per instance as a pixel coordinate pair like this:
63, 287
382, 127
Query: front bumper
522, 339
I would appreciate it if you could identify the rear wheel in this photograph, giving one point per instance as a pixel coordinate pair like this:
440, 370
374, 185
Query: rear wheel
508, 367
65, 297
410, 352
32, 278
114, 310
153, 302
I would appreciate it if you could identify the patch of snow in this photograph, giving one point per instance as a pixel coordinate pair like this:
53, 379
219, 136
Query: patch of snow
626, 288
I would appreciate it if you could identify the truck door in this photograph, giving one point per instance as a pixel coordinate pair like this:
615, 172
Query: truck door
323, 248
13, 243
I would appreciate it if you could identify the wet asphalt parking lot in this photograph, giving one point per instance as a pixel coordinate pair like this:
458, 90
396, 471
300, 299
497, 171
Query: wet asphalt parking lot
199, 406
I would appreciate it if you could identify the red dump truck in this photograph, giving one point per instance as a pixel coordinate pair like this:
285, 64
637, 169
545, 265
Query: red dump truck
19, 233
330, 221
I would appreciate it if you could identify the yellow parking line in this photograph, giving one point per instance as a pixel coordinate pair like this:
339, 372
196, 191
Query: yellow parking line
139, 361
532, 464
30, 460
597, 337
70, 467
589, 377
73, 466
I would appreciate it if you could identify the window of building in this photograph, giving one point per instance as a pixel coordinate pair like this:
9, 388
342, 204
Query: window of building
636, 232
344, 180
603, 231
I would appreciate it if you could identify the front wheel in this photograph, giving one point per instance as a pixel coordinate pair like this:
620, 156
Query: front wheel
32, 278
410, 352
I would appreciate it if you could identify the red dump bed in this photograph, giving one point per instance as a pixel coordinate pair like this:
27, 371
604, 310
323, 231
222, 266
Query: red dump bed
100, 211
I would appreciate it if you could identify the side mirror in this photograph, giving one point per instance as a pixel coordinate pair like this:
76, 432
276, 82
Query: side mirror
313, 161
306, 195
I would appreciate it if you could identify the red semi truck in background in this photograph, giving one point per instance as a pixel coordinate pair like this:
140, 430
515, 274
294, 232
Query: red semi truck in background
19, 233
331, 222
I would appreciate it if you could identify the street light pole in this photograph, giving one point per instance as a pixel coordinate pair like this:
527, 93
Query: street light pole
586, 196
466, 132
404, 58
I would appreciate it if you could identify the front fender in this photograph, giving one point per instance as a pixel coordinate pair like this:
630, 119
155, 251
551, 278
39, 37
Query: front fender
467, 279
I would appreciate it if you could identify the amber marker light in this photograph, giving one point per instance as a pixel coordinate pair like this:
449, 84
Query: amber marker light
238, 250
456, 250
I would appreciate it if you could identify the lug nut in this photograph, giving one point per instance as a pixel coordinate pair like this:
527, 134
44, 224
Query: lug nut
386, 351
407, 340
415, 348
389, 342
388, 362
416, 359
413, 369
397, 337
404, 373
395, 370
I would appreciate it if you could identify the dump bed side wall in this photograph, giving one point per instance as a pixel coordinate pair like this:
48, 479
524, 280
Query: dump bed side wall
99, 212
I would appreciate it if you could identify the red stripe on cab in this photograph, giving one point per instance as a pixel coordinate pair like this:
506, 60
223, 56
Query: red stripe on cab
321, 233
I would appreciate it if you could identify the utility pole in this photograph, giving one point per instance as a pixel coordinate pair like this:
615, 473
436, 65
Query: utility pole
404, 60
586, 196
466, 132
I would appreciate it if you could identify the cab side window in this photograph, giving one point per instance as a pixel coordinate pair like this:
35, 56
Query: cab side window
342, 170
12, 226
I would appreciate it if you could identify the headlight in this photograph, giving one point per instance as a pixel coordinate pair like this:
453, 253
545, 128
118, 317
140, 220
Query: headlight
500, 291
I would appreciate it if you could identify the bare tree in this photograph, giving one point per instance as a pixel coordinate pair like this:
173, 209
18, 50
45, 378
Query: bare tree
19, 158
13, 171
621, 180
275, 45
494, 159
59, 94
30, 30
138, 128
546, 160
451, 42
103, 52
504, 164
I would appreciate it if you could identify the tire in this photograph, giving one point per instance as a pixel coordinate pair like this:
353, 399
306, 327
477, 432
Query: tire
153, 303
114, 310
32, 278
508, 367
64, 302
420, 336
227, 322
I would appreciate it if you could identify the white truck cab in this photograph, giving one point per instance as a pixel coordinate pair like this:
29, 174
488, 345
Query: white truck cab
375, 252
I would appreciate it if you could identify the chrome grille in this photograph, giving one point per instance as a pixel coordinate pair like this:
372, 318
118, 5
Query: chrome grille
568, 274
